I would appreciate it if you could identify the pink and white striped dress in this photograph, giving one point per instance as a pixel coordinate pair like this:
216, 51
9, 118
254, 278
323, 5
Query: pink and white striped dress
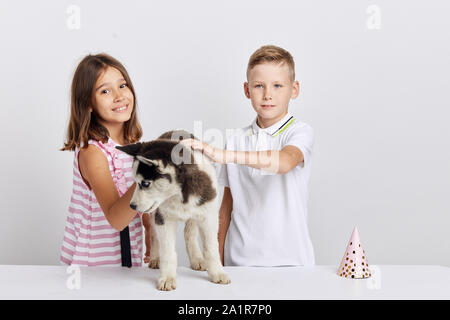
89, 239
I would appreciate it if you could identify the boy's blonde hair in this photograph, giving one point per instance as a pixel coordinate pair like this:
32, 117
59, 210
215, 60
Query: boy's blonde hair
271, 53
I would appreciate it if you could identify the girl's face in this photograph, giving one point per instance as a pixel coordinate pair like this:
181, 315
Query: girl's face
112, 99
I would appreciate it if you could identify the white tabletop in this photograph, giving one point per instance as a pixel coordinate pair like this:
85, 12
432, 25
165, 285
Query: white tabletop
256, 283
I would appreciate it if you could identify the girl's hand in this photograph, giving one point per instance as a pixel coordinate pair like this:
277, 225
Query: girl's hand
215, 154
146, 223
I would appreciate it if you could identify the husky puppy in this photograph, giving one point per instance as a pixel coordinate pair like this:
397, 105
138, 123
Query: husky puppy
176, 183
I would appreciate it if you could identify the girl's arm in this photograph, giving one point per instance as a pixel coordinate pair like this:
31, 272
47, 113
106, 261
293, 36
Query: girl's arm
95, 170
275, 161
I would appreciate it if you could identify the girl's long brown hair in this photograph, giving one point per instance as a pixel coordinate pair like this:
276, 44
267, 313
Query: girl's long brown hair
83, 124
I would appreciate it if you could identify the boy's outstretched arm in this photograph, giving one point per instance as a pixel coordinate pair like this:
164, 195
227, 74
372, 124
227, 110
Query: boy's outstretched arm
275, 161
224, 219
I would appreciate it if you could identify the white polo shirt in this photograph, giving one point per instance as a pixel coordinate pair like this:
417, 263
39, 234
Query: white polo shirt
268, 224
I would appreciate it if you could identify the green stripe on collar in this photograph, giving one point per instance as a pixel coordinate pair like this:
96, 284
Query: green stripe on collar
284, 128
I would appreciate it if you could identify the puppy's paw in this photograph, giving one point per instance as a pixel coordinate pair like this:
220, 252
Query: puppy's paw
221, 278
198, 265
167, 283
153, 264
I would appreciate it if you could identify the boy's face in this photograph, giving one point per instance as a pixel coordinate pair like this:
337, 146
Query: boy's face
270, 88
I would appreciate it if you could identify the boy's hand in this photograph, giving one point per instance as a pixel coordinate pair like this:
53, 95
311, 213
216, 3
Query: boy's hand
215, 154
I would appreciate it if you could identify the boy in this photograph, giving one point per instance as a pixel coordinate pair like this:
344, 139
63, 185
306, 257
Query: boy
267, 165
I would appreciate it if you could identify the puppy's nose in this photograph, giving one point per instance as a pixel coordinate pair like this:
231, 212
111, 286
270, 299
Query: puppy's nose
133, 206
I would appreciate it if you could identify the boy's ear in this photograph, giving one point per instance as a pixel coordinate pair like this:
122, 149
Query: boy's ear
295, 89
246, 90
150, 162
131, 149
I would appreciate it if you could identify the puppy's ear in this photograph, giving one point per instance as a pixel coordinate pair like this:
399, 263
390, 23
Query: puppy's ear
149, 162
131, 149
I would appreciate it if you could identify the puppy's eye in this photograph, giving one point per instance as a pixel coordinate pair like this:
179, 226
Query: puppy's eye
145, 184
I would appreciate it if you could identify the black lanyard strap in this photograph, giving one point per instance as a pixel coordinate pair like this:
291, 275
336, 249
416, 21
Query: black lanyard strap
125, 248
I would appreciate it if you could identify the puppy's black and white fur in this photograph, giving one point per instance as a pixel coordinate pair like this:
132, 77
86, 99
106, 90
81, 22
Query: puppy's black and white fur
176, 190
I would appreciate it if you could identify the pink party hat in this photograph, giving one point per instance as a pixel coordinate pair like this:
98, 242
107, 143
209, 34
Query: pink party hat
354, 263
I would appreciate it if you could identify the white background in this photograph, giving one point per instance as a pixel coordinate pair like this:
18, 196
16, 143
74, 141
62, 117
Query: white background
378, 100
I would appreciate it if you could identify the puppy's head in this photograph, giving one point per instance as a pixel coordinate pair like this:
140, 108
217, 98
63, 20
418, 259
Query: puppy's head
154, 173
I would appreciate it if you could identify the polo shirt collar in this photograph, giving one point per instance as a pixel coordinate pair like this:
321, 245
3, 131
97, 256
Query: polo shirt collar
274, 129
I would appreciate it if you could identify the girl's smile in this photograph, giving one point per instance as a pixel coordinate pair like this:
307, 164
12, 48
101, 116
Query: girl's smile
121, 108
113, 99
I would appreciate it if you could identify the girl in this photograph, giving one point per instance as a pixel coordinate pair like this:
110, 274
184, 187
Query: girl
101, 228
